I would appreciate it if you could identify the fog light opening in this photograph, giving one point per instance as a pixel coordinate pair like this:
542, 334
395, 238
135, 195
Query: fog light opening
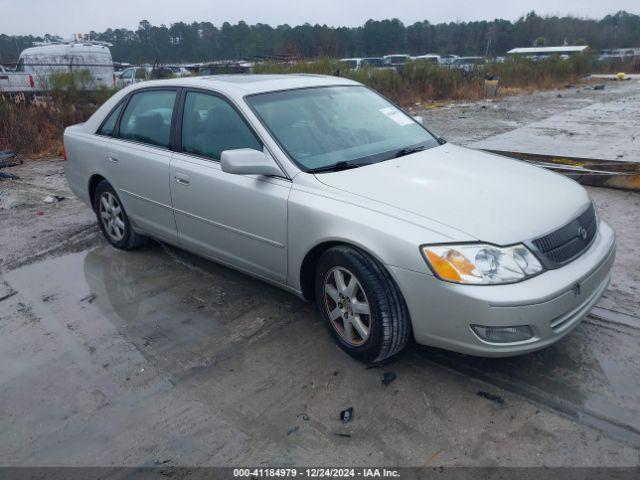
519, 333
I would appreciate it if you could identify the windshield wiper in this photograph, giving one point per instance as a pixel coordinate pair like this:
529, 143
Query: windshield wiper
336, 167
408, 151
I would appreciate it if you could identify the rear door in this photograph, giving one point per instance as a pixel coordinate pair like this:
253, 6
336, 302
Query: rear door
238, 219
138, 160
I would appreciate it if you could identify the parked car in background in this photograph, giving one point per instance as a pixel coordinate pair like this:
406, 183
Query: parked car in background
132, 75
448, 59
180, 71
45, 60
324, 188
372, 62
468, 63
350, 63
15, 82
396, 60
429, 57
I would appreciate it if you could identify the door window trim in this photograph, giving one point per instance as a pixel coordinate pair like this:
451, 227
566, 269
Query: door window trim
108, 116
180, 118
127, 99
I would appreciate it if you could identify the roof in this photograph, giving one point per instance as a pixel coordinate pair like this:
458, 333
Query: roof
65, 49
246, 84
563, 49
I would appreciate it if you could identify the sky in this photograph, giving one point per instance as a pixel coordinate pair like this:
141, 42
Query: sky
66, 17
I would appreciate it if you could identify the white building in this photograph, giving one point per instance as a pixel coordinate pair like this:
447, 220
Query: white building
543, 52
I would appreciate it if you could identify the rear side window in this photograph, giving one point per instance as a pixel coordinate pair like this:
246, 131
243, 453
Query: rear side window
109, 124
210, 126
147, 118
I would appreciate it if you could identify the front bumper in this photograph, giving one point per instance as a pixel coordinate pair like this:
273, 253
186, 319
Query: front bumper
552, 303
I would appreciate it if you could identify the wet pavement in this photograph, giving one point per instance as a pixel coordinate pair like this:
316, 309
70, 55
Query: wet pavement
135, 358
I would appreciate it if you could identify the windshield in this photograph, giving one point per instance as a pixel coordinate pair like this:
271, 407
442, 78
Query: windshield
349, 63
376, 62
321, 127
395, 59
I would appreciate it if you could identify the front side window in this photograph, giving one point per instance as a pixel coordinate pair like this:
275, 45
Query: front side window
322, 127
210, 126
128, 73
109, 124
147, 117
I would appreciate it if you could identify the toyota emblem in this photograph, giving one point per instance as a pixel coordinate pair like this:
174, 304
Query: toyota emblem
582, 232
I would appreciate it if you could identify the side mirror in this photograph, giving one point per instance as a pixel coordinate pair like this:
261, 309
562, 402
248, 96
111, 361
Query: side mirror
246, 161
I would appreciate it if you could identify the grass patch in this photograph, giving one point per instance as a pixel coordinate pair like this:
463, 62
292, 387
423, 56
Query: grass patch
35, 126
424, 82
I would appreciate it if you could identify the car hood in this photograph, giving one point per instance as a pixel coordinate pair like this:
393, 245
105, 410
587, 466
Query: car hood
489, 197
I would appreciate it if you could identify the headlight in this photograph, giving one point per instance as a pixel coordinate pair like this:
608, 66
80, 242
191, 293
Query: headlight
481, 264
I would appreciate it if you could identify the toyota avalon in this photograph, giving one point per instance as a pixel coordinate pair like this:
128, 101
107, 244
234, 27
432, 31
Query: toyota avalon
323, 187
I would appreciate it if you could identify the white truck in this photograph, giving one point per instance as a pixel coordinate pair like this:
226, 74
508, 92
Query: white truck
44, 60
15, 82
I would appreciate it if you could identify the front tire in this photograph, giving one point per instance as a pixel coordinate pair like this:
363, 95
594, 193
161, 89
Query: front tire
113, 219
361, 305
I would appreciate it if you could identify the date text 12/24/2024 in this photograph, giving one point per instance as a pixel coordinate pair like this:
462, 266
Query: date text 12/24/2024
316, 472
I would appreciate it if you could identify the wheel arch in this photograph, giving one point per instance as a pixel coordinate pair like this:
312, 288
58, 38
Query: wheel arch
94, 180
310, 261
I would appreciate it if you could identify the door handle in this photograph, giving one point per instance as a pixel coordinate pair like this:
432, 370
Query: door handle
182, 179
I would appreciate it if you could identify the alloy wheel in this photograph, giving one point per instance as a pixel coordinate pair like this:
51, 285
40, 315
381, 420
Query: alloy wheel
111, 216
347, 306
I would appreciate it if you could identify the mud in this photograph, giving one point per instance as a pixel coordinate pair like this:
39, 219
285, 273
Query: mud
159, 357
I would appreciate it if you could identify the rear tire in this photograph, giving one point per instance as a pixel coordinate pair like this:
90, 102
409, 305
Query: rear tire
113, 219
361, 305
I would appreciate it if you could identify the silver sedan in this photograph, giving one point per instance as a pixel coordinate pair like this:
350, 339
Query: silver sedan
326, 189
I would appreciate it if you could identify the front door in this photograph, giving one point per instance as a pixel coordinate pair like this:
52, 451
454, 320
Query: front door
238, 219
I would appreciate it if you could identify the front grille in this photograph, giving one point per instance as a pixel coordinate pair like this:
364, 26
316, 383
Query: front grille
568, 242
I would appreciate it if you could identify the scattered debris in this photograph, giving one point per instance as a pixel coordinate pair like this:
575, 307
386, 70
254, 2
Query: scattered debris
388, 377
426, 400
599, 87
346, 415
8, 159
89, 298
490, 396
293, 430
53, 198
304, 416
48, 298
335, 374
341, 434
8, 176
8, 295
39, 213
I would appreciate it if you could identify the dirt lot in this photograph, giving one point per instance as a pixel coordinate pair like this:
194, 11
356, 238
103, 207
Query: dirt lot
152, 356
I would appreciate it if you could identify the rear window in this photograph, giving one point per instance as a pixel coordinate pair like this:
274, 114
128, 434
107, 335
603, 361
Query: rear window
109, 124
147, 118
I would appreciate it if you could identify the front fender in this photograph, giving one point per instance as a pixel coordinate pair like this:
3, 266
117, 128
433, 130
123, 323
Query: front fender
316, 216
